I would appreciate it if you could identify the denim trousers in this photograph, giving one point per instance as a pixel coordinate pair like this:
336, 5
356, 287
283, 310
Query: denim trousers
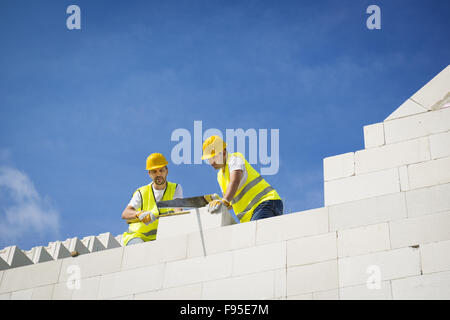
135, 241
268, 209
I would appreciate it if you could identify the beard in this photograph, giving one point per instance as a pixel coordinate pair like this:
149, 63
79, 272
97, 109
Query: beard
160, 181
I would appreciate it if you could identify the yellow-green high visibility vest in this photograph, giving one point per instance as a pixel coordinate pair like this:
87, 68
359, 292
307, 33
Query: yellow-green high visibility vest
251, 194
148, 203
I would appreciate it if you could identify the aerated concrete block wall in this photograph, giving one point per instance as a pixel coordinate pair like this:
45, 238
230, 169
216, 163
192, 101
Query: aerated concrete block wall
384, 233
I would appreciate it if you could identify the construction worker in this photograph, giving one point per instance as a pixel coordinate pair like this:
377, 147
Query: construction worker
142, 207
243, 188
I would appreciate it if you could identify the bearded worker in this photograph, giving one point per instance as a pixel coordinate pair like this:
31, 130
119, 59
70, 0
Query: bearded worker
142, 213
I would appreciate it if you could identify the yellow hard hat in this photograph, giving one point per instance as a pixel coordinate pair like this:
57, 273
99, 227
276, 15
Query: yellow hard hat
213, 146
155, 161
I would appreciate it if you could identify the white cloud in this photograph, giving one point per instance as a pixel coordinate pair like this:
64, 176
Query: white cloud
26, 213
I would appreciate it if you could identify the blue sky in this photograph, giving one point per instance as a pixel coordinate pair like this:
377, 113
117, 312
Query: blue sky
80, 110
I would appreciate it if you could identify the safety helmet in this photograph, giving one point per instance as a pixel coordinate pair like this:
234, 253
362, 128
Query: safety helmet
213, 146
155, 161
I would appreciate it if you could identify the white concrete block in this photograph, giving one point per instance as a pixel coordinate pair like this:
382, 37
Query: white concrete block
392, 155
43, 292
185, 224
5, 296
57, 250
416, 126
435, 91
428, 200
404, 178
92, 244
367, 211
61, 291
420, 230
363, 240
280, 284
326, 295
88, 289
132, 281
38, 254
291, 226
407, 108
429, 173
108, 240
30, 276
191, 292
387, 265
154, 252
3, 264
222, 239
75, 244
252, 286
92, 264
259, 258
440, 145
119, 239
361, 187
127, 297
310, 278
306, 296
22, 294
339, 166
312, 249
363, 292
14, 257
435, 286
194, 270
374, 135
435, 256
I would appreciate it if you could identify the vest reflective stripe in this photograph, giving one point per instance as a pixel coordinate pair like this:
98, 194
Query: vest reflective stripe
148, 203
147, 234
255, 200
150, 233
251, 194
247, 187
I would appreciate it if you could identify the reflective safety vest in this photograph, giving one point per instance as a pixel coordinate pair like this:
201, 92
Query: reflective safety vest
148, 203
251, 194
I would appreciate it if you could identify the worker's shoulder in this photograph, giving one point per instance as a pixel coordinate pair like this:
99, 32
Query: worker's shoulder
237, 154
142, 188
236, 157
175, 184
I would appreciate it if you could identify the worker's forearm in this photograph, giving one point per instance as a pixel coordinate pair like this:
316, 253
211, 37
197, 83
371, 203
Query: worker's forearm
129, 214
235, 179
231, 190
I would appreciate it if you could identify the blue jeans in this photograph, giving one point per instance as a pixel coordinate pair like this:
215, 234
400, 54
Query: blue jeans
135, 241
268, 209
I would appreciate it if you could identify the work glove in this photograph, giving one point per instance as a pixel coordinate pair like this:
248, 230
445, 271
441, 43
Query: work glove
147, 216
216, 206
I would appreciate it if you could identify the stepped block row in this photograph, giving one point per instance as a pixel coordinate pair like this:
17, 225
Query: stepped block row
433, 147
294, 256
432, 96
407, 128
386, 170
12, 256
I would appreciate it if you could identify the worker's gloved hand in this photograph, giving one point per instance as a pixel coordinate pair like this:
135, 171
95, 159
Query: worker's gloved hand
147, 216
215, 206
